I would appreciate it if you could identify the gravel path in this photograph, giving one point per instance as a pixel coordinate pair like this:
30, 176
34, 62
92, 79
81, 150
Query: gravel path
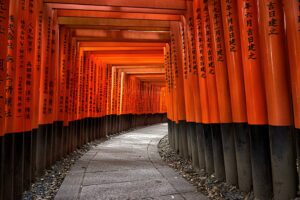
127, 167
47, 186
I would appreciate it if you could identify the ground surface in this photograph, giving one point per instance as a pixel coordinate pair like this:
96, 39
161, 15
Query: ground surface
46, 186
127, 167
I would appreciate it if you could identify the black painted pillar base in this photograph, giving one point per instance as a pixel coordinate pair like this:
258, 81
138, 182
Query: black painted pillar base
243, 158
58, 126
177, 138
209, 158
75, 135
89, 129
126, 122
81, 132
103, 127
27, 159
194, 145
200, 145
71, 135
65, 141
84, 131
133, 121
1, 165
62, 139
297, 143
18, 165
107, 119
118, 125
8, 176
49, 146
93, 130
229, 153
283, 162
114, 124
170, 133
111, 128
40, 150
173, 134
189, 138
261, 162
183, 138
55, 141
97, 128
218, 152
34, 133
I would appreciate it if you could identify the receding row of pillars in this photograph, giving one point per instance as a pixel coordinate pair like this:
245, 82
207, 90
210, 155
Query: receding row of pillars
25, 156
261, 158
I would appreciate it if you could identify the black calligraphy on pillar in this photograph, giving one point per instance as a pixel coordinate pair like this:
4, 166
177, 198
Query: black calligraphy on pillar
184, 57
249, 23
200, 41
4, 17
193, 59
272, 18
298, 15
9, 88
168, 69
210, 64
231, 28
21, 66
47, 68
39, 41
174, 54
218, 30
82, 61
30, 33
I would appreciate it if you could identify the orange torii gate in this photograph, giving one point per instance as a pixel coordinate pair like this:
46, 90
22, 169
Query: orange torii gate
226, 73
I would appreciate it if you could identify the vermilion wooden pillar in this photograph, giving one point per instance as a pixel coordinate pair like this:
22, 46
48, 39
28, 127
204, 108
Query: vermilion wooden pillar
36, 133
223, 91
30, 78
271, 21
4, 20
179, 88
18, 126
194, 126
255, 99
172, 135
291, 13
214, 116
204, 148
237, 93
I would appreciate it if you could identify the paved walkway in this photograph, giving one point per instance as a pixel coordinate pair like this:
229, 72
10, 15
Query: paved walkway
127, 167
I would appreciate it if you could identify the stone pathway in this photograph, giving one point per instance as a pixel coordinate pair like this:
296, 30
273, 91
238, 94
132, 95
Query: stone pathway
127, 167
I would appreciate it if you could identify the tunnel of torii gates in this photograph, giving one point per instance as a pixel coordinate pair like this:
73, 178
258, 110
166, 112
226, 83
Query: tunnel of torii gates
226, 73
